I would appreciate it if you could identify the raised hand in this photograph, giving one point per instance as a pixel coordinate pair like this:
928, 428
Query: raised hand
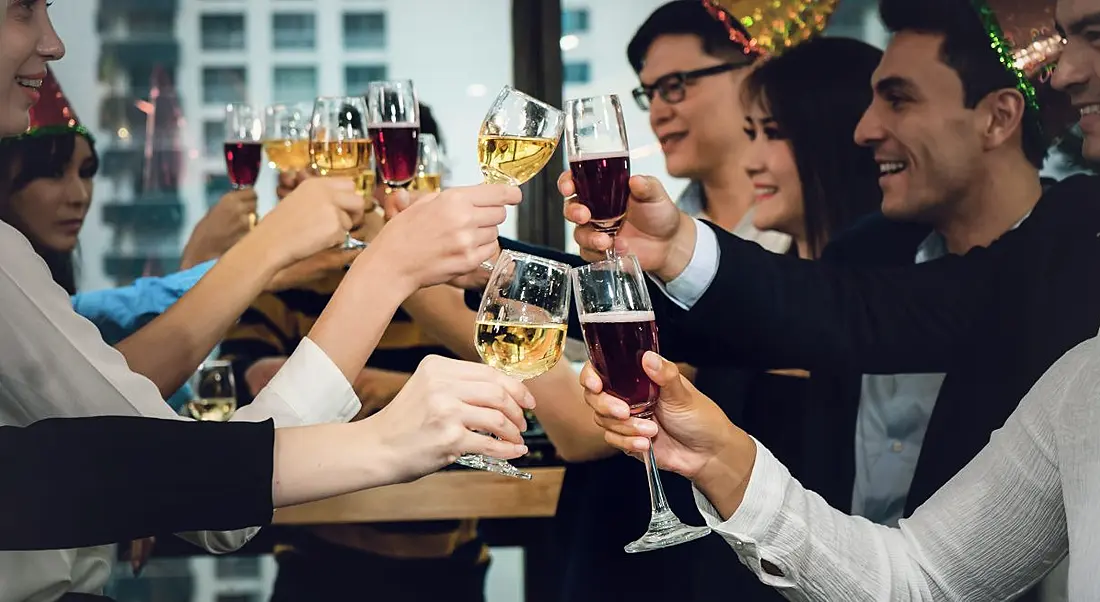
432, 420
442, 236
655, 230
316, 216
226, 223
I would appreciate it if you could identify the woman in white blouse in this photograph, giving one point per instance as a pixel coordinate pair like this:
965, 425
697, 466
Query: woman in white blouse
54, 363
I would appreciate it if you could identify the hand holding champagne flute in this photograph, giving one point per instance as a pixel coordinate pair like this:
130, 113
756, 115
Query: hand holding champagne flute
599, 159
339, 144
617, 319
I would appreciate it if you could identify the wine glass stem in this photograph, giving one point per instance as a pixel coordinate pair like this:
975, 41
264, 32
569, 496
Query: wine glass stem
657, 500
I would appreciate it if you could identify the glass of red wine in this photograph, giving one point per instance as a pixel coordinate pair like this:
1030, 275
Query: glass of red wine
599, 158
243, 148
617, 320
394, 126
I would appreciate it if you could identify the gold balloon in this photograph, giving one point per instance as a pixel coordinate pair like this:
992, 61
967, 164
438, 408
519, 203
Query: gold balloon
779, 24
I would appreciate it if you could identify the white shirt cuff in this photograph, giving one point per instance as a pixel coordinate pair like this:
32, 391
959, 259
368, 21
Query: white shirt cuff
749, 531
687, 288
309, 388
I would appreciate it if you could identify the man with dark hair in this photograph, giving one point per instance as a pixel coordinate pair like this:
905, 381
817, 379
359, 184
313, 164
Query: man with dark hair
691, 68
959, 146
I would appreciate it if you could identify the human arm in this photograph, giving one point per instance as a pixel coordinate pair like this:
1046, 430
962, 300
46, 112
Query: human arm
225, 224
71, 481
314, 218
989, 534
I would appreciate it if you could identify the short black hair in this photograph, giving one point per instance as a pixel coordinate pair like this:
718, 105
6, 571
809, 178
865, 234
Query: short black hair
817, 92
967, 50
428, 125
688, 17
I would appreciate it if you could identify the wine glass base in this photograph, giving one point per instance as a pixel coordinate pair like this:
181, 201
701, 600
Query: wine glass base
665, 531
353, 244
488, 464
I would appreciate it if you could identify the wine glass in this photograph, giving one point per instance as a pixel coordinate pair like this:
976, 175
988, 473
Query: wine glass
429, 168
215, 392
243, 146
394, 125
339, 145
517, 139
521, 327
617, 319
599, 159
286, 136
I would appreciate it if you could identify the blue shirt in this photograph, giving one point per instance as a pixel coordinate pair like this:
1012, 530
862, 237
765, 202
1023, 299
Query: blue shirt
894, 411
119, 312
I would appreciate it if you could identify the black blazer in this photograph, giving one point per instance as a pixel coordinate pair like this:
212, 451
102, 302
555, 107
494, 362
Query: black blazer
76, 482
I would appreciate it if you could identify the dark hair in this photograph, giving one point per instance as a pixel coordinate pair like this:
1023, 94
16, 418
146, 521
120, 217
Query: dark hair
686, 17
28, 159
967, 50
817, 92
428, 125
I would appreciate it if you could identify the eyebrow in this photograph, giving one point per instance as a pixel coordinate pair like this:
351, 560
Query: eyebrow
1079, 25
895, 83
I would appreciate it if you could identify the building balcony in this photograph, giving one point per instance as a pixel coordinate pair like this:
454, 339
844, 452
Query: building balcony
152, 214
125, 268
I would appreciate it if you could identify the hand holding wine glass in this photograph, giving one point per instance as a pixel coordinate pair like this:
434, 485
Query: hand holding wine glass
599, 159
655, 230
689, 434
339, 144
314, 217
445, 235
243, 146
617, 320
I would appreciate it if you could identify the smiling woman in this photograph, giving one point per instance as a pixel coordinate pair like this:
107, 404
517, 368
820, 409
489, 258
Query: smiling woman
27, 42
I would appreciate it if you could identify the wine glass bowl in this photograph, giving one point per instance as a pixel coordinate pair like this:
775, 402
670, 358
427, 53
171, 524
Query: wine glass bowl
599, 158
243, 147
339, 145
517, 137
286, 137
394, 126
429, 168
215, 392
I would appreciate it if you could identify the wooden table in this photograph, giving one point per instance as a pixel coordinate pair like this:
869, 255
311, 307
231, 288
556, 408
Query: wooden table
451, 494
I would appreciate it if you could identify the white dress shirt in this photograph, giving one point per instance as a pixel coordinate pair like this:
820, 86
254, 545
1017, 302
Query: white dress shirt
990, 533
53, 363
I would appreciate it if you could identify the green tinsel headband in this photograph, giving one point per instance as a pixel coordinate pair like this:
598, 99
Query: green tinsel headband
1005, 53
51, 130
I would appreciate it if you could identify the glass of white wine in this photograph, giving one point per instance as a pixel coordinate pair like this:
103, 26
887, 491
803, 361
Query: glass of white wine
517, 139
215, 392
339, 145
286, 136
429, 166
521, 327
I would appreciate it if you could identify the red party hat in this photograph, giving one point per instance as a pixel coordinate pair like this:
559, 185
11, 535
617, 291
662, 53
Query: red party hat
53, 113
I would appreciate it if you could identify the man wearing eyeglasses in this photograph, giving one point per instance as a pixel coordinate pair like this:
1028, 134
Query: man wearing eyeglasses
691, 73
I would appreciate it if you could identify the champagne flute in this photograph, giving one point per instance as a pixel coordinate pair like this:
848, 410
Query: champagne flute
599, 159
521, 327
215, 392
243, 147
394, 125
429, 168
339, 145
617, 319
286, 136
517, 139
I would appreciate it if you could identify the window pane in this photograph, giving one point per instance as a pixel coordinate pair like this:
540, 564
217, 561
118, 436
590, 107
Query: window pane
574, 21
576, 73
214, 136
364, 31
221, 85
222, 32
357, 77
294, 31
295, 84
